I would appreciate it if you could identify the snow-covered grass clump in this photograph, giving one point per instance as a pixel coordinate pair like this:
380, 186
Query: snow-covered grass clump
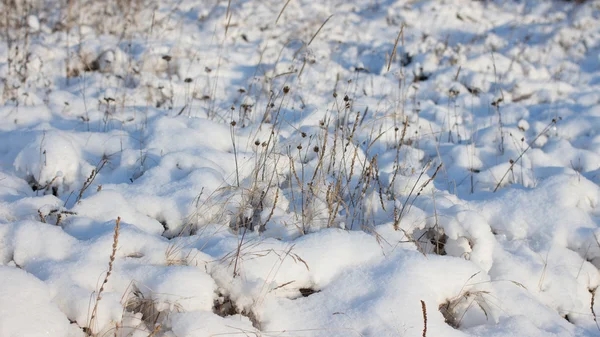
299, 168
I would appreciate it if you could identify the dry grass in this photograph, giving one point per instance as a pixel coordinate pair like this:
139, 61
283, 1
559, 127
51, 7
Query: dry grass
333, 193
137, 302
454, 309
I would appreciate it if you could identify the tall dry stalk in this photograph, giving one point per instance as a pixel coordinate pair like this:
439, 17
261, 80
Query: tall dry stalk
111, 261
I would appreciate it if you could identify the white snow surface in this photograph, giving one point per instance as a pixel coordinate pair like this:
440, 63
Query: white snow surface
300, 168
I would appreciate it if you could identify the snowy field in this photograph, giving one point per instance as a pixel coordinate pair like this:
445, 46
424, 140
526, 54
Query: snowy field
198, 168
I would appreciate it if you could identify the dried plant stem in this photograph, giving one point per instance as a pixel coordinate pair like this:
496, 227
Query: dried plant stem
399, 216
335, 198
111, 262
512, 164
237, 170
424, 309
393, 54
281, 12
155, 331
593, 292
90, 179
397, 159
380, 189
350, 138
264, 226
319, 30
496, 104
238, 253
321, 157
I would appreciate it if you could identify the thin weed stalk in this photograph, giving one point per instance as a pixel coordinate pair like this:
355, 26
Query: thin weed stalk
514, 162
111, 261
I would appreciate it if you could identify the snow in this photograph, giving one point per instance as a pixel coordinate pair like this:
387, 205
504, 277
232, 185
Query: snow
301, 168
27, 308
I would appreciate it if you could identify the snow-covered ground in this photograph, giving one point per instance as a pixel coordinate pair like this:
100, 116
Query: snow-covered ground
299, 168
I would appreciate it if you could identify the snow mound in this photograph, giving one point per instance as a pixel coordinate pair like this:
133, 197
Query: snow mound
28, 312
